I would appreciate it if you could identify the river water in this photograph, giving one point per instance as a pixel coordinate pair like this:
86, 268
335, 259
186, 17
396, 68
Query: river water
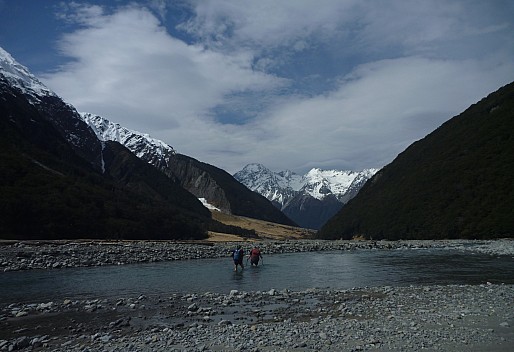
296, 271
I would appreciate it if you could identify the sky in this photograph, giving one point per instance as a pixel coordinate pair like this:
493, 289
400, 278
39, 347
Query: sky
290, 84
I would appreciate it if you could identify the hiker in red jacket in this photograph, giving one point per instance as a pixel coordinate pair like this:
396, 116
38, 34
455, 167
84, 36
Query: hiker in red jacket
255, 255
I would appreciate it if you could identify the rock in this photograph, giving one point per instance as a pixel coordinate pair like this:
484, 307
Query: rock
43, 306
21, 343
105, 338
67, 343
504, 324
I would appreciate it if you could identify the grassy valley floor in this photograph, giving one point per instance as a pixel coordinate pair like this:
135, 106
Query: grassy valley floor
264, 229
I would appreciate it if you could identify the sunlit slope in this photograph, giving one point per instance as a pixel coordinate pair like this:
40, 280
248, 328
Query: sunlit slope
263, 229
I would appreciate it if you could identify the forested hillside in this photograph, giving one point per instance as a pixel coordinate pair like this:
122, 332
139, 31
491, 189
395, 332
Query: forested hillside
457, 182
49, 191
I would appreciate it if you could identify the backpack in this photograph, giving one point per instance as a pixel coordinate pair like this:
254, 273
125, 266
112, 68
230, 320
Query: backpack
237, 254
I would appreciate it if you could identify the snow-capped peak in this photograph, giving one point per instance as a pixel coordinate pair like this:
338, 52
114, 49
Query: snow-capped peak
318, 183
153, 151
19, 76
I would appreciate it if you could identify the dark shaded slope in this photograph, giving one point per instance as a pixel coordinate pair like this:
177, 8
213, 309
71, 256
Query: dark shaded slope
312, 213
454, 183
223, 190
49, 191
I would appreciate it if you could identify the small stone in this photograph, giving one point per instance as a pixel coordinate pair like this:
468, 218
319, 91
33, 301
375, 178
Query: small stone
504, 324
106, 338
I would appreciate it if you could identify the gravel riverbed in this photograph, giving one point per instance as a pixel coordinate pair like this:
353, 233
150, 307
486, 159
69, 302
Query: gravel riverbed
413, 318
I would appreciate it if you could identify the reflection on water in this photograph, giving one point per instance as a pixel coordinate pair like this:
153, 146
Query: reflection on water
296, 271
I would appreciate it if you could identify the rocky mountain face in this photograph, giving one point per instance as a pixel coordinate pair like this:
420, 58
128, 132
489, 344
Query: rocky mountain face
17, 80
205, 181
310, 199
58, 180
454, 183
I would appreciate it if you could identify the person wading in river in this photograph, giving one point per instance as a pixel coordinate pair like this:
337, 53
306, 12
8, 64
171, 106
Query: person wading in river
255, 255
238, 255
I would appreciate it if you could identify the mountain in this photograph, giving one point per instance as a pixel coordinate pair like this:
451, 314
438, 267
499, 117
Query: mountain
454, 183
58, 180
216, 186
310, 199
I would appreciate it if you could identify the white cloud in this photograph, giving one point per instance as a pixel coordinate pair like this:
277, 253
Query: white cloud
377, 112
127, 67
267, 22
400, 69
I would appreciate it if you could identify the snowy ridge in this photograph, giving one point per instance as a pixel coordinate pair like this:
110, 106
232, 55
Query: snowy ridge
19, 76
152, 150
282, 186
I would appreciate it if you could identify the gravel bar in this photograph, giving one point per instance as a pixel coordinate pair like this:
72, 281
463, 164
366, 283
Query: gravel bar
429, 318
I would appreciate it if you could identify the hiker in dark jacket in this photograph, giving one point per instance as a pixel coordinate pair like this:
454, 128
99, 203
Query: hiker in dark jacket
238, 255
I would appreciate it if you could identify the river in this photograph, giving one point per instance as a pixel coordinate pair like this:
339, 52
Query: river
295, 271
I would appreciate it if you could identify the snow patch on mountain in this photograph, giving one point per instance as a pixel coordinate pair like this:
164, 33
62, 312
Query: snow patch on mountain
208, 205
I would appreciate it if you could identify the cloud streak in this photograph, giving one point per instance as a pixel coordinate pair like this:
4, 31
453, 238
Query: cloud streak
331, 84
